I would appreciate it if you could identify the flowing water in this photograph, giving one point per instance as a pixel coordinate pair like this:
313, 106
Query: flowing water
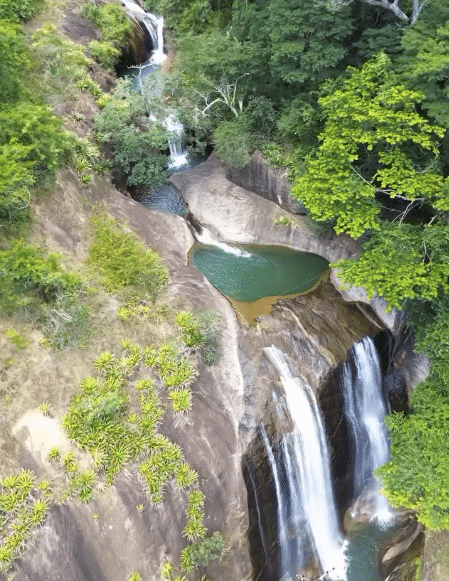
307, 448
365, 409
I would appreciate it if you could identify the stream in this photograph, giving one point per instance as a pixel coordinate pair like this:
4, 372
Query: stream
301, 473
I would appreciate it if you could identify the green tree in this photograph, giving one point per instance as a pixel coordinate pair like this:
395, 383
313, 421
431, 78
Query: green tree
402, 262
424, 64
374, 141
307, 40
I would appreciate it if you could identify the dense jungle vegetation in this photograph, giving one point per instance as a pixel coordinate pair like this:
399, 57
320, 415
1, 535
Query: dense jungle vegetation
351, 96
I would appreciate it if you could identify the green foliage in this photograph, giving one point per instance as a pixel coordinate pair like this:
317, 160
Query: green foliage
137, 144
111, 19
123, 260
423, 64
233, 142
105, 53
185, 476
15, 10
181, 399
199, 554
135, 576
192, 336
210, 326
16, 338
416, 475
14, 59
370, 142
21, 510
61, 62
28, 275
307, 39
402, 262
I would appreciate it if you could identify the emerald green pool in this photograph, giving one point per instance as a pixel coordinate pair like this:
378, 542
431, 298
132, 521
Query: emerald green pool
257, 271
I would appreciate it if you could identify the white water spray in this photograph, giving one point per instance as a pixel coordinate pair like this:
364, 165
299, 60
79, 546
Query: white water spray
206, 237
365, 410
307, 448
178, 154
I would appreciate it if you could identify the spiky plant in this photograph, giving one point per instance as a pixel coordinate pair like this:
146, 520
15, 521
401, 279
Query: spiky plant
144, 384
125, 343
167, 570
135, 576
44, 485
187, 562
103, 361
182, 373
194, 530
195, 512
25, 480
196, 498
89, 385
45, 408
184, 475
10, 481
37, 514
180, 399
150, 356
86, 495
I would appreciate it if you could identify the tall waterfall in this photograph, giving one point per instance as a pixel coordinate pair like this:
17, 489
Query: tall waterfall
365, 409
307, 465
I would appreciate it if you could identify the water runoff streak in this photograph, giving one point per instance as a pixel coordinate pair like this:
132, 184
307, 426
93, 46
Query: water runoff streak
307, 465
365, 409
205, 236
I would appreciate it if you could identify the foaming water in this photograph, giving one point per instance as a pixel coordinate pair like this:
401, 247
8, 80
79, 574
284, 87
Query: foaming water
365, 409
308, 450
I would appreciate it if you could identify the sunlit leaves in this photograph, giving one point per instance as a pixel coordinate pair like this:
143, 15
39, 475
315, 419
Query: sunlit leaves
373, 139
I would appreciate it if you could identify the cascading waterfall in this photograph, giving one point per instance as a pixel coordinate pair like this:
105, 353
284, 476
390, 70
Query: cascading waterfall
307, 465
154, 26
178, 154
365, 409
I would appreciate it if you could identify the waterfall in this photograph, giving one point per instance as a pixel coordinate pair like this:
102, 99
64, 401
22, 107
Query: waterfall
154, 25
282, 515
178, 154
206, 237
308, 466
365, 409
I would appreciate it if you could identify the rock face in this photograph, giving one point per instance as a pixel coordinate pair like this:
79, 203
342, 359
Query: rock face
74, 547
259, 177
238, 215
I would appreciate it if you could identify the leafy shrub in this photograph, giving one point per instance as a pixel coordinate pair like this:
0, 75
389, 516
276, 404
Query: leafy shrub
123, 260
233, 143
105, 53
19, 9
60, 61
111, 19
199, 554
27, 275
